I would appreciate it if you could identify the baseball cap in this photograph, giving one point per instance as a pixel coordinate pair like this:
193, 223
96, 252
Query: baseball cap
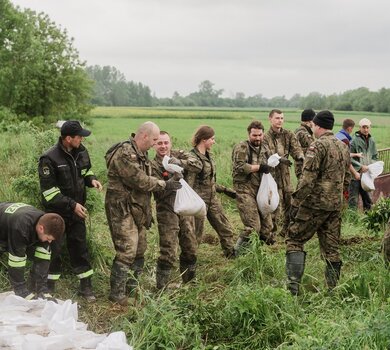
73, 128
364, 122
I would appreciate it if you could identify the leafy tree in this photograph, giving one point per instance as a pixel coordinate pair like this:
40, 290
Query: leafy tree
40, 71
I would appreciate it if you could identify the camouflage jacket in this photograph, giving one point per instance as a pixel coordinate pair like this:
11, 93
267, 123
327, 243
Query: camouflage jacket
325, 175
305, 138
243, 156
201, 175
164, 198
129, 178
285, 144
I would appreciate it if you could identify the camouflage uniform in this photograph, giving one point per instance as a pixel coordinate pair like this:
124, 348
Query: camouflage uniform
246, 184
128, 210
172, 227
305, 138
386, 245
318, 200
284, 143
202, 178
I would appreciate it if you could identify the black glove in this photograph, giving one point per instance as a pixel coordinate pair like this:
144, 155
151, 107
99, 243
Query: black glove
230, 193
175, 161
264, 168
293, 212
285, 161
172, 185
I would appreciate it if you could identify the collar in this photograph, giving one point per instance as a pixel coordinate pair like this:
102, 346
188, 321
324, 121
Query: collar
348, 136
307, 128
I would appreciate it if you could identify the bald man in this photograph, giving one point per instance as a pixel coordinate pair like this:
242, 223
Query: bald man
128, 206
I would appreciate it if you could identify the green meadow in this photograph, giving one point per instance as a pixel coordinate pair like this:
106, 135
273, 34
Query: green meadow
234, 304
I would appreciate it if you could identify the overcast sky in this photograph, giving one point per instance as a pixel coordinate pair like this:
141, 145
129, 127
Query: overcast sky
268, 47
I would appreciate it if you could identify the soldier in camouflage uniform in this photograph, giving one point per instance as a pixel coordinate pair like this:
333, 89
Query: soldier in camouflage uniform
247, 169
128, 206
283, 142
317, 203
305, 137
386, 245
202, 178
172, 227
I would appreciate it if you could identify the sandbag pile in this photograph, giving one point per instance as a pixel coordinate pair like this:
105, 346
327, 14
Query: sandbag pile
45, 325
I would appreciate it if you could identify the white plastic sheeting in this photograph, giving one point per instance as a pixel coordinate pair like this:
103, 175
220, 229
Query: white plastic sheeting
45, 325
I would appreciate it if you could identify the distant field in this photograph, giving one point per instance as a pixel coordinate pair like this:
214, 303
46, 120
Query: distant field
230, 124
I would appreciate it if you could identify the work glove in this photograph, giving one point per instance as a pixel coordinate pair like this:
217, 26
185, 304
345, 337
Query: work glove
175, 161
47, 296
264, 168
172, 185
230, 193
346, 195
285, 161
293, 212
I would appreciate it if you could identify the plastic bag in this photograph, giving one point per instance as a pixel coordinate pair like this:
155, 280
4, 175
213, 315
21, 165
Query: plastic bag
268, 196
171, 168
367, 178
188, 202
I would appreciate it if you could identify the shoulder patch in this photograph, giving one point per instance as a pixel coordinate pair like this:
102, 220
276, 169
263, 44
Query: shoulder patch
46, 170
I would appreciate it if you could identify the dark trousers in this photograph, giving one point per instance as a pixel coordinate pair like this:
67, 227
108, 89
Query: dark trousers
355, 189
76, 241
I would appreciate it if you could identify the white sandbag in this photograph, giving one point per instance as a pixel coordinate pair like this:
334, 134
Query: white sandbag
274, 160
188, 202
367, 178
268, 195
171, 168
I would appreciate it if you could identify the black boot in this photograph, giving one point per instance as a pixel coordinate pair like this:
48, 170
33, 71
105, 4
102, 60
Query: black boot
295, 265
188, 272
162, 276
119, 273
242, 245
51, 286
86, 289
137, 269
332, 273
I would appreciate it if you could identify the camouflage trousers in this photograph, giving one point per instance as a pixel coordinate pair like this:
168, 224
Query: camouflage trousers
386, 245
307, 222
129, 239
251, 217
282, 212
219, 222
172, 229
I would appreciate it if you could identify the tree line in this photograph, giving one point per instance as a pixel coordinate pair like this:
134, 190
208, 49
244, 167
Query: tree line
41, 74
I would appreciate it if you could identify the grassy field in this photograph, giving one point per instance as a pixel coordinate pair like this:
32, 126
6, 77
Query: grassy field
235, 304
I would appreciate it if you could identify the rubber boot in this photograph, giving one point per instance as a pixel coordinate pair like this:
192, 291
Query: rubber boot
295, 265
162, 276
86, 289
119, 273
188, 272
137, 269
242, 245
51, 286
332, 273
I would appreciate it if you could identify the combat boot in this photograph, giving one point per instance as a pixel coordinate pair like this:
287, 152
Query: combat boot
137, 269
332, 273
86, 289
118, 280
295, 265
242, 245
187, 271
162, 276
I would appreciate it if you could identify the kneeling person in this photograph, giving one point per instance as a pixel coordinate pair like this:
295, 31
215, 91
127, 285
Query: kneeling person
27, 232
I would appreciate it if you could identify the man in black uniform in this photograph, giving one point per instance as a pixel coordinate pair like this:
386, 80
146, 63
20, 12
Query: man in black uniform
27, 231
64, 173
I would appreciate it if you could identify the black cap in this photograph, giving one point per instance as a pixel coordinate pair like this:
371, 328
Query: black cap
324, 119
307, 115
73, 128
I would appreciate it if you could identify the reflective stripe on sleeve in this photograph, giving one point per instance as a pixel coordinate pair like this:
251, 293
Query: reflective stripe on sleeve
16, 261
53, 277
51, 193
42, 253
